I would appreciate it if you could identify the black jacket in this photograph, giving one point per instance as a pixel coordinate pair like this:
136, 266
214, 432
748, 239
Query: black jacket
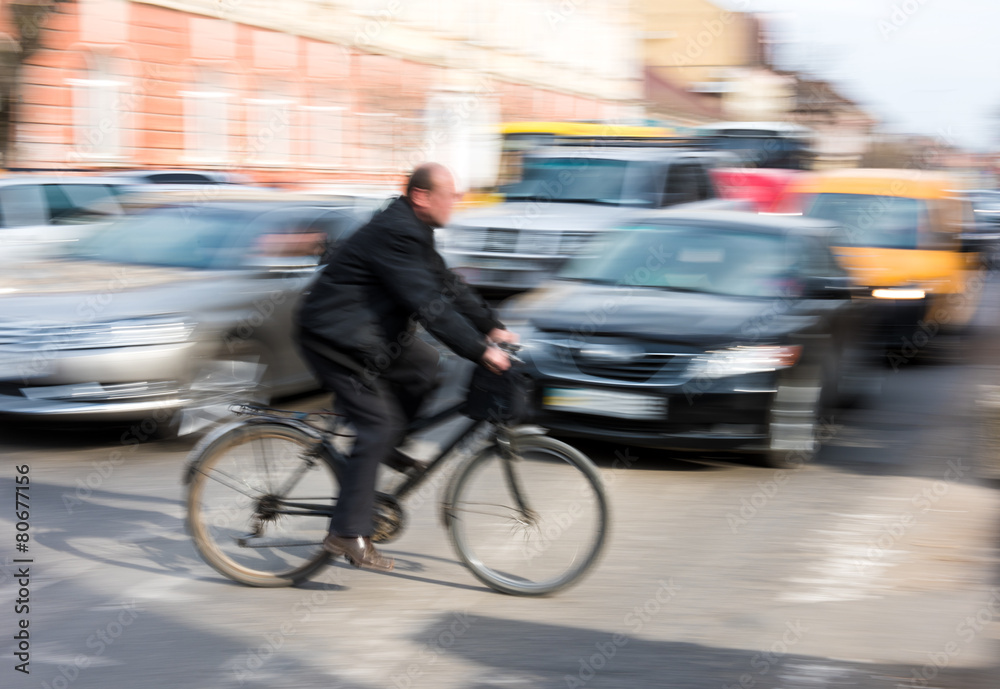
381, 280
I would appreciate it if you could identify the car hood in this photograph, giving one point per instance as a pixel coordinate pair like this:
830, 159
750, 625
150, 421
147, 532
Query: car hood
530, 215
66, 291
69, 276
654, 314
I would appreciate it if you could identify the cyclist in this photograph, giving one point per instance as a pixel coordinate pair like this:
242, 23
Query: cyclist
356, 332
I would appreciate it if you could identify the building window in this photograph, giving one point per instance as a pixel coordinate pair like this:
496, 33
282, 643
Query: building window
269, 130
325, 122
102, 105
376, 139
206, 119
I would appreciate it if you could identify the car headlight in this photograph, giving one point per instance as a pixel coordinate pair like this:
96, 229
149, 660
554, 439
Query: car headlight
132, 332
898, 293
740, 360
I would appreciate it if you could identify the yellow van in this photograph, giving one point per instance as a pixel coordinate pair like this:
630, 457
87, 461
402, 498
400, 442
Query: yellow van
902, 243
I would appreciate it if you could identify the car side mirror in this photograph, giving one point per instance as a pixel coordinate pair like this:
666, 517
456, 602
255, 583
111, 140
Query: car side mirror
285, 253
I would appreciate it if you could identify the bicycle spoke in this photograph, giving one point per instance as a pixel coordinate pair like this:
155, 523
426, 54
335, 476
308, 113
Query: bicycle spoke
258, 451
232, 485
531, 524
251, 534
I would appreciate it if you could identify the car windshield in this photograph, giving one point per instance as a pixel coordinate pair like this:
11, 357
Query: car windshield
889, 222
186, 237
693, 259
579, 180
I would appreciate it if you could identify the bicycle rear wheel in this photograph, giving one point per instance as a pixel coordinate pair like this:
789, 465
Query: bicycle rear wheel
532, 524
257, 504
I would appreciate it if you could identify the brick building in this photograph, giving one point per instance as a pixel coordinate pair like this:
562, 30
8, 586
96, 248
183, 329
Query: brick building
313, 89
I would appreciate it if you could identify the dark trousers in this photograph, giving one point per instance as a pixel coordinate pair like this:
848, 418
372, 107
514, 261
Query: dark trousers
379, 410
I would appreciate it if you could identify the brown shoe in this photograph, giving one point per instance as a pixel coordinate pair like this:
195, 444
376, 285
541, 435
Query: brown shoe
359, 551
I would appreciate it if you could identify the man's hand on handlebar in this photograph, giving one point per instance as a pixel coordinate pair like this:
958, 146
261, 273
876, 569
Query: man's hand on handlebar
495, 359
501, 335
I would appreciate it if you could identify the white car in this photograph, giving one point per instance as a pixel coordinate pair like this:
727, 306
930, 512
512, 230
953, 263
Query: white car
41, 216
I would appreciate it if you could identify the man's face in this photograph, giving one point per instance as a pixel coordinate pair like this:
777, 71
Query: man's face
434, 207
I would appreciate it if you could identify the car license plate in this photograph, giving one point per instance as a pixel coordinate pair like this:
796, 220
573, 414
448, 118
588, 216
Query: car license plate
624, 405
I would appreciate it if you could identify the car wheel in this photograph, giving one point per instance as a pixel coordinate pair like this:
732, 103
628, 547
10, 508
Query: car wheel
794, 421
237, 373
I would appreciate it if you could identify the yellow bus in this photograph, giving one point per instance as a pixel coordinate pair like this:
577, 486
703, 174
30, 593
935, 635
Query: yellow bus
519, 137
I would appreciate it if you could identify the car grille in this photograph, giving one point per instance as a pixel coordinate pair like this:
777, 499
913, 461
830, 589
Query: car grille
29, 338
636, 371
572, 242
500, 240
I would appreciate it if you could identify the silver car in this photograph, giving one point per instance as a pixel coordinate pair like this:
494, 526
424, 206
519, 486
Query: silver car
567, 196
41, 215
182, 307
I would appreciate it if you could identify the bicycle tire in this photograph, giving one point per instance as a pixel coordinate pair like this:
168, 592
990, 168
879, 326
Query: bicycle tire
544, 470
227, 497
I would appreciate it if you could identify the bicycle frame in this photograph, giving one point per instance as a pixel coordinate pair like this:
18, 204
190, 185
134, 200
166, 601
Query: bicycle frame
500, 434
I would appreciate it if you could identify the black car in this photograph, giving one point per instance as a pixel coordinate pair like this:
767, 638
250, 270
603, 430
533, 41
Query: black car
698, 330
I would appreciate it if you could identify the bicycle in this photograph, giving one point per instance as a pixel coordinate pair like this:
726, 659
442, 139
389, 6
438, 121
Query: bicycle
527, 514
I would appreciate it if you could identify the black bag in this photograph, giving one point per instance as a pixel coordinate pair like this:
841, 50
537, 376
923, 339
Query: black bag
501, 398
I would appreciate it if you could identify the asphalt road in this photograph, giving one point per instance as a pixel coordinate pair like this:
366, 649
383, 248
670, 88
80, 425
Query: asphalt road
874, 566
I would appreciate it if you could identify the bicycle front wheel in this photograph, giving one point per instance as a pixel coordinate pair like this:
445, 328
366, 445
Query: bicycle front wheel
258, 505
530, 523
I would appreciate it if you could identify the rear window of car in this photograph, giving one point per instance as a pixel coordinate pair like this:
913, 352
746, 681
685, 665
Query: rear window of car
871, 220
185, 237
80, 202
23, 205
179, 178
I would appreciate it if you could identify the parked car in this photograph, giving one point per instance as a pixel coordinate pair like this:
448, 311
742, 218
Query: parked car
143, 179
41, 215
568, 195
713, 330
983, 230
182, 307
905, 242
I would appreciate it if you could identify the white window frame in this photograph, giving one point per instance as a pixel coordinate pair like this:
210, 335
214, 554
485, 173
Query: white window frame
264, 111
99, 112
206, 125
319, 156
378, 157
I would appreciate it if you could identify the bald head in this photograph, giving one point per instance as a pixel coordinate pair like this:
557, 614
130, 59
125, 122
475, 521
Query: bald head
424, 176
431, 190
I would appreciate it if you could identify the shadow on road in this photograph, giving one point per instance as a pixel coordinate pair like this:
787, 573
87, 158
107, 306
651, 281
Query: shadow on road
550, 655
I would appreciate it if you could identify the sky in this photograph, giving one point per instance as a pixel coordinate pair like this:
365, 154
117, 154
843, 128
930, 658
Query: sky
922, 66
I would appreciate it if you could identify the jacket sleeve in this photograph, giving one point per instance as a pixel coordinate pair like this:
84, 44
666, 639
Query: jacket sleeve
469, 303
413, 284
